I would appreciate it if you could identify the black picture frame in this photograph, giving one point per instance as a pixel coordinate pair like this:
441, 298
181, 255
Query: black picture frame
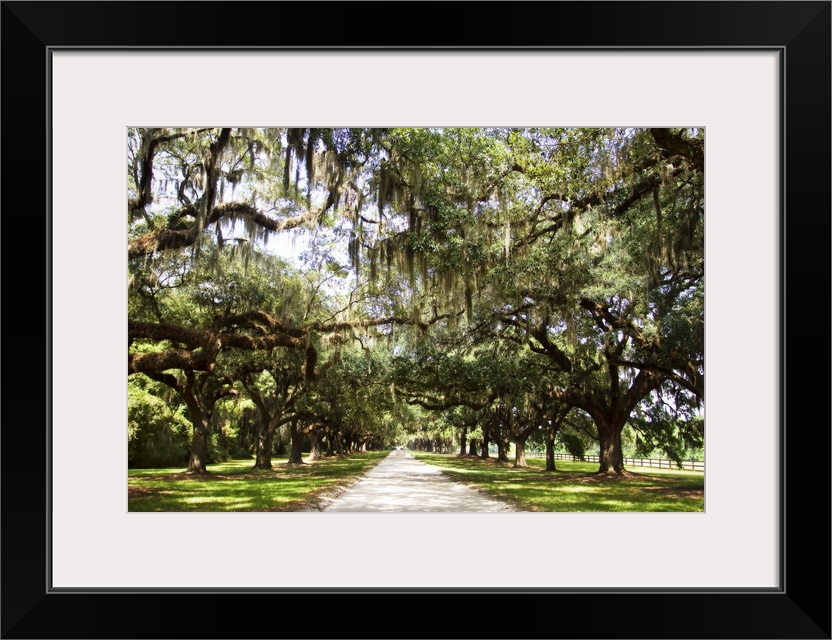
800, 608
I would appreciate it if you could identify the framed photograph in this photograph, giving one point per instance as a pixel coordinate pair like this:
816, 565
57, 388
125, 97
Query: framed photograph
754, 75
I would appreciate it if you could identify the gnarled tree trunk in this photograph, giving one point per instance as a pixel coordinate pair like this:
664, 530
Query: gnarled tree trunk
198, 458
296, 451
610, 409
263, 447
611, 456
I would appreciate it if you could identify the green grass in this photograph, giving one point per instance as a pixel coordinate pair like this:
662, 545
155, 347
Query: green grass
575, 486
235, 486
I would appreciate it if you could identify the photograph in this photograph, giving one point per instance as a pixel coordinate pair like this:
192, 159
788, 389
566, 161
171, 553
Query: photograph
453, 319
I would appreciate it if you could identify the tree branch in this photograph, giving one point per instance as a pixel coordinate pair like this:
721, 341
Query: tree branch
696, 387
164, 239
673, 144
201, 359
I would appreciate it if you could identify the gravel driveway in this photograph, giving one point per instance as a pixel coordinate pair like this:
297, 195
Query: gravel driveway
401, 483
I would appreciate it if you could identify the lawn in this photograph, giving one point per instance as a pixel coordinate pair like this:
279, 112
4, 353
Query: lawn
235, 486
575, 486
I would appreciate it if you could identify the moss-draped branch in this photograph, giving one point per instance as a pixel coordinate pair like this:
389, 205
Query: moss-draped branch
162, 239
267, 333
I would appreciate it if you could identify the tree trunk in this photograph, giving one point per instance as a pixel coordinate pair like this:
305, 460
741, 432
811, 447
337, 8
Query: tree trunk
296, 451
611, 455
550, 452
501, 450
263, 448
199, 447
198, 458
315, 449
520, 452
485, 443
472, 447
462, 441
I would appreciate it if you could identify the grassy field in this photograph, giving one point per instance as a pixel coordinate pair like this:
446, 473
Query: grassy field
575, 486
235, 486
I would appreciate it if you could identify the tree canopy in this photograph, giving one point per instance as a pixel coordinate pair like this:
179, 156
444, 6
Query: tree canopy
362, 287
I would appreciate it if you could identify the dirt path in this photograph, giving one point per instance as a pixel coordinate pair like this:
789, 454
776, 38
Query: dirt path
401, 483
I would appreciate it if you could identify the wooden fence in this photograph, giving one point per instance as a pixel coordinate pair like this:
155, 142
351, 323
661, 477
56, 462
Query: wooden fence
656, 463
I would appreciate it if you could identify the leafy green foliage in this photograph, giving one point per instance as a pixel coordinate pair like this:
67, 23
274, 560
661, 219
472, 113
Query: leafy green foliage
456, 280
158, 433
574, 444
